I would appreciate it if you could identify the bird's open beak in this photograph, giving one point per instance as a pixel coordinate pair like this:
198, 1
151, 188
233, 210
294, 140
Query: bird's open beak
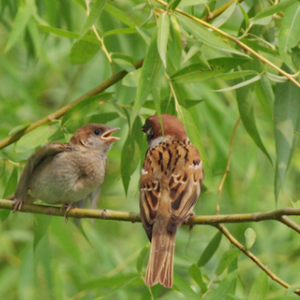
106, 136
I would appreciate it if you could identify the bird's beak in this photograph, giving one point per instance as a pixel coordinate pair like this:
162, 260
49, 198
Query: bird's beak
106, 136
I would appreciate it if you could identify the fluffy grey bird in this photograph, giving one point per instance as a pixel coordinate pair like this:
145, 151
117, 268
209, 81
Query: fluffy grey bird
66, 173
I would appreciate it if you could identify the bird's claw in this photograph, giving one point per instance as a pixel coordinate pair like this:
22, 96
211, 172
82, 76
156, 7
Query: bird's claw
191, 214
67, 207
18, 203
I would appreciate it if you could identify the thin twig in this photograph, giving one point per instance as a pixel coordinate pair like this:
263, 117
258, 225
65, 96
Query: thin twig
287, 221
235, 242
234, 39
229, 157
59, 113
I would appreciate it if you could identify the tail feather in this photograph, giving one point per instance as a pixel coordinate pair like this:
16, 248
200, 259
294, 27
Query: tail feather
160, 264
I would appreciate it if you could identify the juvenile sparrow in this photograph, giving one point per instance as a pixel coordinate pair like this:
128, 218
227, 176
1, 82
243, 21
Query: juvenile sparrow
66, 173
171, 181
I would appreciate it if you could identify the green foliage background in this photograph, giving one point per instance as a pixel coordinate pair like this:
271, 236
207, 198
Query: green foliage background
50, 55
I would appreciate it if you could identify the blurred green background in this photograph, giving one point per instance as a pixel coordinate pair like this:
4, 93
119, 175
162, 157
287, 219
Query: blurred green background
42, 70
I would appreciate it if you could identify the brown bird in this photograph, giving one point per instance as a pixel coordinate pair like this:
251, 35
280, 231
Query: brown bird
171, 181
66, 173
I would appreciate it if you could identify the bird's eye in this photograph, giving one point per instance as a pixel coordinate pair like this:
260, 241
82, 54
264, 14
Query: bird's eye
97, 132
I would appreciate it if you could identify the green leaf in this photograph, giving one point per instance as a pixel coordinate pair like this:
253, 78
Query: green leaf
83, 51
37, 137
124, 64
149, 75
175, 42
224, 288
120, 31
194, 136
141, 258
260, 287
95, 12
245, 105
241, 84
250, 236
163, 36
197, 276
11, 183
289, 34
245, 15
217, 67
286, 117
144, 34
173, 4
119, 14
103, 118
73, 119
265, 95
276, 78
210, 249
281, 6
228, 257
130, 156
40, 226
20, 22
221, 19
132, 78
184, 288
207, 37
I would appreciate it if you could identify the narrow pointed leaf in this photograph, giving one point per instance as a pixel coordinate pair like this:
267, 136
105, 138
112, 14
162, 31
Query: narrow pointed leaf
250, 236
286, 115
197, 276
40, 226
228, 257
149, 75
207, 37
210, 249
245, 105
163, 35
260, 287
241, 84
289, 34
95, 12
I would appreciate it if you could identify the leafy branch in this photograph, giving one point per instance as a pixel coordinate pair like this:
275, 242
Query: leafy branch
237, 41
59, 113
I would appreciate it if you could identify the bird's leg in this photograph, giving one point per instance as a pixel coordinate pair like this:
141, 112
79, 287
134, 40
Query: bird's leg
185, 222
18, 203
67, 207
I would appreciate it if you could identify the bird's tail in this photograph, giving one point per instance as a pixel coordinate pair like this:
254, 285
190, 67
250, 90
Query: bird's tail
160, 264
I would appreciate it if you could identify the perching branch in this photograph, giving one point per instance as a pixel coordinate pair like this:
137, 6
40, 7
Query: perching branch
277, 215
59, 113
214, 220
235, 242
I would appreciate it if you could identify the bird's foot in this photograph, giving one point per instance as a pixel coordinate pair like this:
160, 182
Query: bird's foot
67, 207
18, 203
191, 214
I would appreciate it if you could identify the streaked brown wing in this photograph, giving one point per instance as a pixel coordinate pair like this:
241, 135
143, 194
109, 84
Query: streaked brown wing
185, 185
150, 191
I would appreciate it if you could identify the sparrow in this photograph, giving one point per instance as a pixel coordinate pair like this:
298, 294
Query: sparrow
65, 173
171, 181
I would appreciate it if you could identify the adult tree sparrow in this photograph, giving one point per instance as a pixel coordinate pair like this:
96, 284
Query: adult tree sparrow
66, 173
171, 181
